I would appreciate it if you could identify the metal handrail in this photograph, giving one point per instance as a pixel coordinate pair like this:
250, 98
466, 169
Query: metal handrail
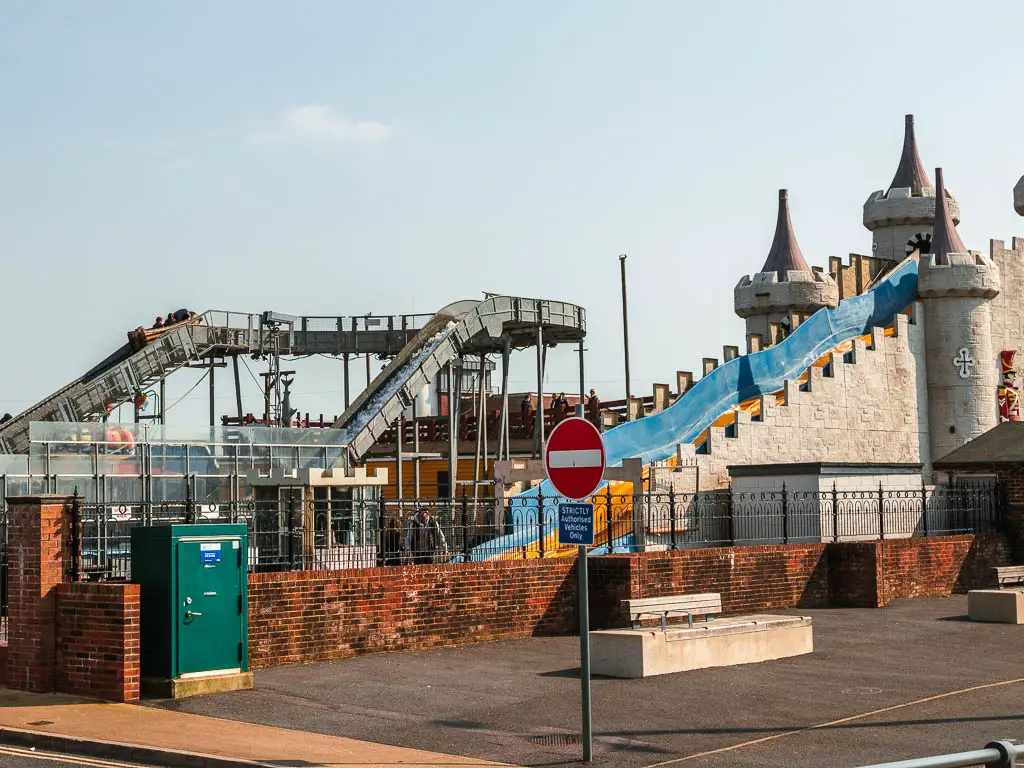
996, 754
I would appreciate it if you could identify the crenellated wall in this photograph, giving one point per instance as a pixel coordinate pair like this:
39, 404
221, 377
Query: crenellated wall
1008, 307
868, 406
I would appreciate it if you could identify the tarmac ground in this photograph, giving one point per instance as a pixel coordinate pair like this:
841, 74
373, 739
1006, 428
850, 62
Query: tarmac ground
909, 680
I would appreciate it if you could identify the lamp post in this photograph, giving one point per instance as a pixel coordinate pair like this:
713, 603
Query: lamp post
625, 332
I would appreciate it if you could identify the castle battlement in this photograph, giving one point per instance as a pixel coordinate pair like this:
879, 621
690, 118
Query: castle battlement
961, 274
899, 208
803, 291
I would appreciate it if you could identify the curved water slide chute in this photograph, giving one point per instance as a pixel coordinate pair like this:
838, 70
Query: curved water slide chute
737, 383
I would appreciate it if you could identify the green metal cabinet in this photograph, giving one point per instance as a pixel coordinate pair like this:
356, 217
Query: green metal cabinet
194, 599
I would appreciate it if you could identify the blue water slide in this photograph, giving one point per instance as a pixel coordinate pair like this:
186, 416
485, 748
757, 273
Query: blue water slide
655, 437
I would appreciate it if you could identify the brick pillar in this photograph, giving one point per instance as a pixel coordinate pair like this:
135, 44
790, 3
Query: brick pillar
39, 558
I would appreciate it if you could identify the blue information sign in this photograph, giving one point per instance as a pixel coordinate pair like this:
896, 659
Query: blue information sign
576, 524
209, 553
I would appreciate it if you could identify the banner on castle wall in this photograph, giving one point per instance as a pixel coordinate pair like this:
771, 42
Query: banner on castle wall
1009, 394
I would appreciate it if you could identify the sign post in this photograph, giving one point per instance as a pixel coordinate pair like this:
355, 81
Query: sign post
574, 458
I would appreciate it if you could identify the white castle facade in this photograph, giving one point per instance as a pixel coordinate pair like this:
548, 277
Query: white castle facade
939, 375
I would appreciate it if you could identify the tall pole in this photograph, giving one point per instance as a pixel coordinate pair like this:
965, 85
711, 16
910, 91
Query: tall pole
539, 437
399, 491
344, 358
583, 385
625, 332
453, 433
585, 709
479, 430
238, 386
503, 426
213, 407
163, 392
367, 370
415, 448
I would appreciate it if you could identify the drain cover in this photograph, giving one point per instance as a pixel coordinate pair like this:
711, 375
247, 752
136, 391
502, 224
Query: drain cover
557, 740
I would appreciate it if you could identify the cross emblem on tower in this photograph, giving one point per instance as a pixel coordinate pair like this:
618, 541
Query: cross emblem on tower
964, 362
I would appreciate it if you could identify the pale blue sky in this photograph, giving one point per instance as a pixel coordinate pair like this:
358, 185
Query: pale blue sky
338, 158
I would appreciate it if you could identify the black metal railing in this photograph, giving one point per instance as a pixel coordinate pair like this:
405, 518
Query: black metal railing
342, 534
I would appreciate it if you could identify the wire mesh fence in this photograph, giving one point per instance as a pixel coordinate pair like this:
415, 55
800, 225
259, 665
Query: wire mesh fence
342, 534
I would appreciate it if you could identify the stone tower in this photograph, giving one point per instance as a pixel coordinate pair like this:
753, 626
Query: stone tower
786, 290
956, 287
901, 218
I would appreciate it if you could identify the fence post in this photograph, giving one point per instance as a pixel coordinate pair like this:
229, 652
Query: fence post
608, 511
672, 517
465, 525
881, 512
924, 509
785, 515
291, 533
835, 512
76, 537
381, 522
189, 517
540, 521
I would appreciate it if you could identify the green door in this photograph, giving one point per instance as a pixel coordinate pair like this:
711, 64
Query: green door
209, 607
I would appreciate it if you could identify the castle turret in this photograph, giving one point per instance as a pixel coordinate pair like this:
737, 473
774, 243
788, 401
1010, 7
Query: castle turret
901, 218
956, 287
785, 287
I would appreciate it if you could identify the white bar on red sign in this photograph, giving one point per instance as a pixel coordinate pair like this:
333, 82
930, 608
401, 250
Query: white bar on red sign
567, 459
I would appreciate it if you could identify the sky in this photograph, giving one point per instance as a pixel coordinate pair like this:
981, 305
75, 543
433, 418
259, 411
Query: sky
339, 158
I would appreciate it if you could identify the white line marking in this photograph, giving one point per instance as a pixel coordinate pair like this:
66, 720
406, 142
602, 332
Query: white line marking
567, 459
840, 721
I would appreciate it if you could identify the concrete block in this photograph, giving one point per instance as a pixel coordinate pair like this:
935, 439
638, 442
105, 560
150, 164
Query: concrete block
180, 688
1003, 606
633, 653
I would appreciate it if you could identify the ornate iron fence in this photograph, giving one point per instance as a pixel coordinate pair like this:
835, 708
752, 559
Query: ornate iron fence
342, 534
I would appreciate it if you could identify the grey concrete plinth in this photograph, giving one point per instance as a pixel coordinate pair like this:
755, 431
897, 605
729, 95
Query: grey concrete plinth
1003, 606
721, 643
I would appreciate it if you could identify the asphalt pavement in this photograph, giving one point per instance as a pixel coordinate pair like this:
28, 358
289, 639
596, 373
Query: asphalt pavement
912, 679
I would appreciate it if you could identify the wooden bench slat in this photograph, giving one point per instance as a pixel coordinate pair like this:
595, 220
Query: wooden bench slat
712, 596
705, 605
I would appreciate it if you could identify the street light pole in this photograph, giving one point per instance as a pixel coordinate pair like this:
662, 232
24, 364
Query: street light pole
625, 332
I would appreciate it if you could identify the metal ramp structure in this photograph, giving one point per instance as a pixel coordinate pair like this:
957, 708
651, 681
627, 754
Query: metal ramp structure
420, 344
497, 324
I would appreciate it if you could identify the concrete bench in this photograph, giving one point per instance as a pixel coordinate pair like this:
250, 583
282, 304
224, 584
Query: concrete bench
705, 605
632, 653
1009, 574
1004, 606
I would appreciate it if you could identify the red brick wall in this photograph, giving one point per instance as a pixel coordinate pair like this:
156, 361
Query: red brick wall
853, 574
315, 615
98, 640
311, 616
749, 579
38, 560
937, 566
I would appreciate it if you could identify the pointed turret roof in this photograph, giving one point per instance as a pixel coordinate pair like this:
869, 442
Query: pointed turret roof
785, 253
945, 238
910, 172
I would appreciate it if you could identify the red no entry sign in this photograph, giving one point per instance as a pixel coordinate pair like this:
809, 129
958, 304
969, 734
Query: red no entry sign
575, 458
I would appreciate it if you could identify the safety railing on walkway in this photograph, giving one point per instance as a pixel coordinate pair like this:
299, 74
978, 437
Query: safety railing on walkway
996, 754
